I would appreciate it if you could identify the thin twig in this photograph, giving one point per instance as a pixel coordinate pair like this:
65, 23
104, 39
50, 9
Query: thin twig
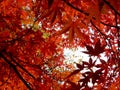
98, 29
87, 14
110, 25
111, 7
106, 37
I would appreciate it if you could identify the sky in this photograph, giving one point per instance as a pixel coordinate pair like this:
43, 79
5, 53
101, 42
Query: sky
75, 55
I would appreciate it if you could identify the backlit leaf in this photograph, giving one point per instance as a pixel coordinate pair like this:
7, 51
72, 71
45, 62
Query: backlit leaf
71, 34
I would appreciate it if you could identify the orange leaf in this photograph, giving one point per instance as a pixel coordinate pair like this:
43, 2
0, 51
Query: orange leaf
79, 33
73, 73
71, 34
65, 29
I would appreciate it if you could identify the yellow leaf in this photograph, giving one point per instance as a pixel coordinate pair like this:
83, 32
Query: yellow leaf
45, 35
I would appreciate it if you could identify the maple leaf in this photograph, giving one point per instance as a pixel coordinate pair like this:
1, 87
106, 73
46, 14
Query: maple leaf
71, 35
73, 73
73, 85
96, 50
79, 66
65, 29
84, 81
90, 50
24, 29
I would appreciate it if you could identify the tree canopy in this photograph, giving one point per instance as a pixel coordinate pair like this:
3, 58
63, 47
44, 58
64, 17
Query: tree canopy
34, 33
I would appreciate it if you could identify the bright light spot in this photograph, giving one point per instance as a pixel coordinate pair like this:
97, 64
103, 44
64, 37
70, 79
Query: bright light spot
75, 55
90, 84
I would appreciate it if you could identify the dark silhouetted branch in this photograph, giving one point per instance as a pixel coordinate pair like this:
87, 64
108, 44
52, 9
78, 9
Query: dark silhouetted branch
110, 25
16, 71
69, 4
21, 66
111, 7
87, 14
105, 36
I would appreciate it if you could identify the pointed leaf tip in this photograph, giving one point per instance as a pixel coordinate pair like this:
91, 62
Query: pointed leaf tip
79, 66
73, 73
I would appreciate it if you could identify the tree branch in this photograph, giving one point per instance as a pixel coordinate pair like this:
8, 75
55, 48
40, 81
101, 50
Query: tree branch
69, 4
87, 14
111, 7
110, 25
12, 58
98, 29
16, 71
110, 45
